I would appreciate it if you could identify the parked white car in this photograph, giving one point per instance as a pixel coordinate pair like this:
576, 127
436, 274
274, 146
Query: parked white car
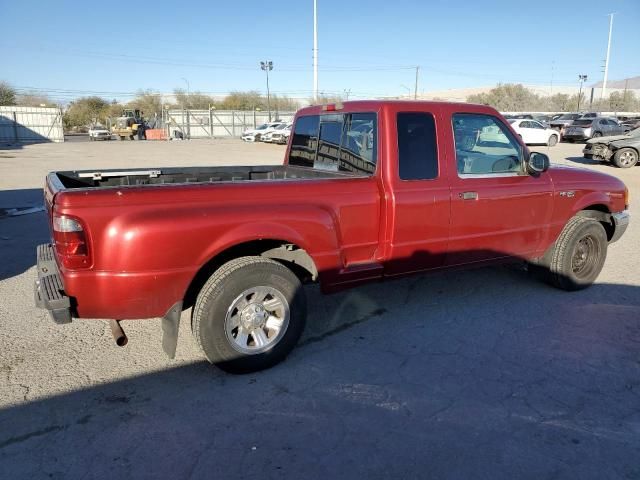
281, 136
274, 136
533, 132
98, 132
255, 134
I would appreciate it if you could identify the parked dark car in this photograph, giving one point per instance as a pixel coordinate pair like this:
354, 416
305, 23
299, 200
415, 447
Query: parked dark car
621, 150
563, 121
586, 128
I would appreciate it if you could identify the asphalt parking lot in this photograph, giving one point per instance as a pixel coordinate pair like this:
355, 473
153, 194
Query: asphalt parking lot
477, 374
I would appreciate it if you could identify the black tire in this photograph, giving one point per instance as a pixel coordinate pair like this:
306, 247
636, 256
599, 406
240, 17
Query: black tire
596, 135
553, 140
625, 158
577, 258
223, 288
121, 138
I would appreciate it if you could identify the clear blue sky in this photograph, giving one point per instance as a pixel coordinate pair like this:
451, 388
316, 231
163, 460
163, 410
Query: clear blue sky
68, 48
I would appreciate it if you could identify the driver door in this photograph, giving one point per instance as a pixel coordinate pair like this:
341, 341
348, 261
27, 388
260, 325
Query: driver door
496, 209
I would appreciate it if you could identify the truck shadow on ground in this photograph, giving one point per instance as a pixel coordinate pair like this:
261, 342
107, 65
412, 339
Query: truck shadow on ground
461, 374
589, 161
19, 235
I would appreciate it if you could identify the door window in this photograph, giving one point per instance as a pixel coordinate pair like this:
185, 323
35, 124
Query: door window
417, 149
477, 153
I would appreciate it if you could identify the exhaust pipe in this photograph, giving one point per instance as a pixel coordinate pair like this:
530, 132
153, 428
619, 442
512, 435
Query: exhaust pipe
118, 334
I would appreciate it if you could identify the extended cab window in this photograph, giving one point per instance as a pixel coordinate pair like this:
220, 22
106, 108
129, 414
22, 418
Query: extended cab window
417, 150
484, 146
305, 141
337, 142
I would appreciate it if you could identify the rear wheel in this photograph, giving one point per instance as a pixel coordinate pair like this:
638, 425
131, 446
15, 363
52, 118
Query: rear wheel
596, 135
553, 139
577, 258
625, 158
249, 315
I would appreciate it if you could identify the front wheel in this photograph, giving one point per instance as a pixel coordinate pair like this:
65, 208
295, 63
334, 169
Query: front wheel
249, 315
553, 139
625, 158
578, 255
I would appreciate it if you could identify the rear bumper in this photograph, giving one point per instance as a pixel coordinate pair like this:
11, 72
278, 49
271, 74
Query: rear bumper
48, 289
620, 222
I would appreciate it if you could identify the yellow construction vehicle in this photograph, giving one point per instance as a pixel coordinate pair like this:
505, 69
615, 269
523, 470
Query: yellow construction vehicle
128, 125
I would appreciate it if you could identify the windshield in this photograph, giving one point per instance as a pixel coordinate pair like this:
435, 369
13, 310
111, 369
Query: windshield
634, 133
262, 127
280, 127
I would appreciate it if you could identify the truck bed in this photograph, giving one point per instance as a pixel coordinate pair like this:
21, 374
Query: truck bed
181, 175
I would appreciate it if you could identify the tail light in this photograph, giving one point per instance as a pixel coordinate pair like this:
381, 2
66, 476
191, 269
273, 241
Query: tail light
70, 242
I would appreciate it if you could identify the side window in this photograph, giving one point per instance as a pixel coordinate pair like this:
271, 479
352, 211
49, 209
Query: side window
359, 150
480, 154
525, 124
336, 142
305, 141
417, 149
329, 145
537, 125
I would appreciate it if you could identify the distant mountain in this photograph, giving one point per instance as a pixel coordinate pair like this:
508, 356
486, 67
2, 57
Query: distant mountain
633, 82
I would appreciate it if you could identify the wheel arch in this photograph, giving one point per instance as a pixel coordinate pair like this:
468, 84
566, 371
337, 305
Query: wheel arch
602, 214
290, 254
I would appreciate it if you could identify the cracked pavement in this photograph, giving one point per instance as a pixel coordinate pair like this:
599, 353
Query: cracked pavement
477, 374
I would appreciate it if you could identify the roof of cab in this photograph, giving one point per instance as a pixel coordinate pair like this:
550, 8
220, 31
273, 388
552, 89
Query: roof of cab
395, 104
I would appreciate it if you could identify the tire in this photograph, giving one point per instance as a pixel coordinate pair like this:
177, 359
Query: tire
121, 138
596, 135
226, 326
578, 255
625, 158
553, 140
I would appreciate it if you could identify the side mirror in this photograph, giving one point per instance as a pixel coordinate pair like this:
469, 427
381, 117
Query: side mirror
537, 163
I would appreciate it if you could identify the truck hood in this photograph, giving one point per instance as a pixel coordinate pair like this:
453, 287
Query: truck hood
574, 178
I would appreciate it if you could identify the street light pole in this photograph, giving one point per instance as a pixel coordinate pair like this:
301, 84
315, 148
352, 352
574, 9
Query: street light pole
267, 65
581, 79
606, 62
315, 51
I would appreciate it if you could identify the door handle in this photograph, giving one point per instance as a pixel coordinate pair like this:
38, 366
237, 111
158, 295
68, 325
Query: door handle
468, 195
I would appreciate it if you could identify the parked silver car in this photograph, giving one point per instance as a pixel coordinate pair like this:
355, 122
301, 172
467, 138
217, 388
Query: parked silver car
586, 128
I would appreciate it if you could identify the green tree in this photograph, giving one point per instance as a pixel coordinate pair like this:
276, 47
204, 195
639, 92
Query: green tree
244, 101
147, 102
508, 98
34, 100
193, 100
7, 94
85, 111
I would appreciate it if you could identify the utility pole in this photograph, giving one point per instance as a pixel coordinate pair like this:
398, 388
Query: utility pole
606, 62
315, 50
581, 79
346, 94
267, 65
415, 91
188, 90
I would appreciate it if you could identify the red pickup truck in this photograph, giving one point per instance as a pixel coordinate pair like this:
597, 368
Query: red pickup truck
368, 190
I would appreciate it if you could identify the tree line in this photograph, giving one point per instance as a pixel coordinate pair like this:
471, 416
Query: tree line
504, 97
88, 110
517, 98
